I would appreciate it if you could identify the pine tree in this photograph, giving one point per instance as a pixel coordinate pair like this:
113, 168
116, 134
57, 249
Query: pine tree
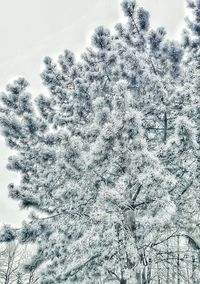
96, 186
105, 157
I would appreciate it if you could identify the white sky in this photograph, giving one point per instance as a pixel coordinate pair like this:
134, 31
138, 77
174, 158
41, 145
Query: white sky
29, 30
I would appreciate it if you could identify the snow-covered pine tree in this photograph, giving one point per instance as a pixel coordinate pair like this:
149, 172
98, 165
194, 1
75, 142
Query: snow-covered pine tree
189, 129
101, 188
191, 86
155, 79
84, 152
180, 156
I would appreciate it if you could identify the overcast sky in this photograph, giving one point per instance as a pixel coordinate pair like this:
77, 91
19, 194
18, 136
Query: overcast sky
31, 29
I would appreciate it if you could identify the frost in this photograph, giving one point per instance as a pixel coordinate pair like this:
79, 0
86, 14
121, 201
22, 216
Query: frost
109, 158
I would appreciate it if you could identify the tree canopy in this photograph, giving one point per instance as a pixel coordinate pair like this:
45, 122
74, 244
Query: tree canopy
109, 158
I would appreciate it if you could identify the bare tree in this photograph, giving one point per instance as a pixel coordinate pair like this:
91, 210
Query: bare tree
12, 257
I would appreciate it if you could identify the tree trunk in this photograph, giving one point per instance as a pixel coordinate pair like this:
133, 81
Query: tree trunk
138, 277
168, 269
165, 128
149, 271
187, 269
178, 260
193, 270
